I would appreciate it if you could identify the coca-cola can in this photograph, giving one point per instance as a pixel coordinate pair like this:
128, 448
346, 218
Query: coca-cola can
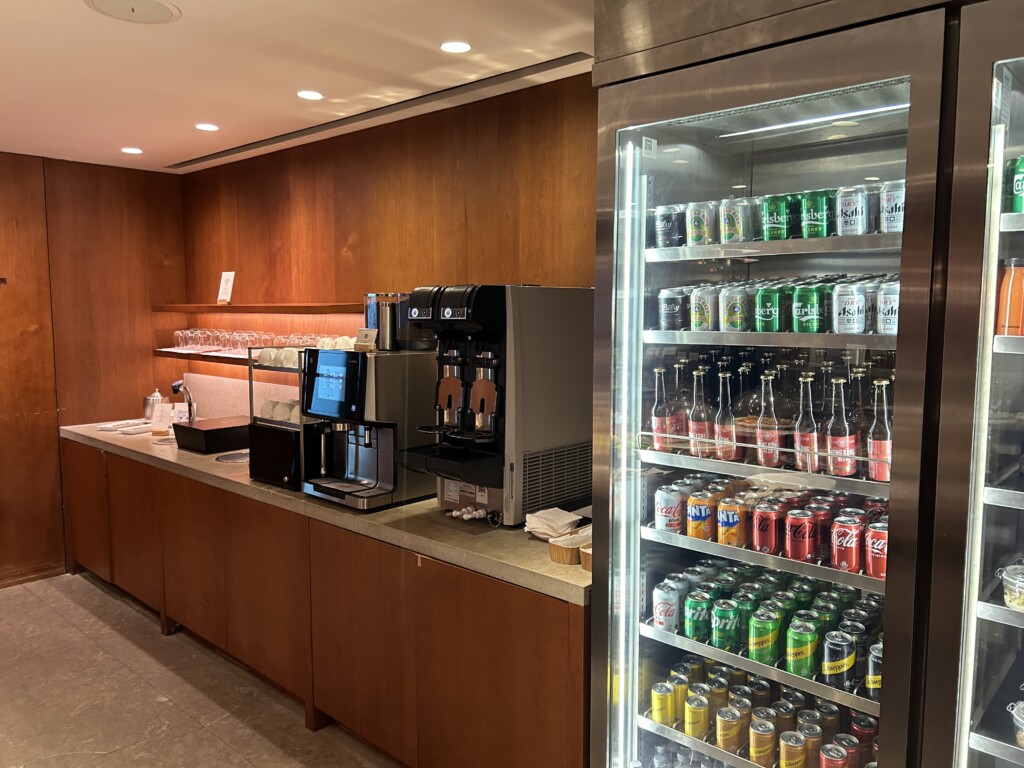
825, 501
769, 529
823, 518
841, 499
669, 506
666, 606
847, 544
876, 550
853, 512
801, 535
876, 507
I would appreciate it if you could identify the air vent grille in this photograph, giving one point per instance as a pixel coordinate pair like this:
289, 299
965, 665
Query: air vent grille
556, 475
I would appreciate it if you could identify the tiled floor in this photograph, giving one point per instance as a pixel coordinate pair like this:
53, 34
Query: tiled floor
86, 679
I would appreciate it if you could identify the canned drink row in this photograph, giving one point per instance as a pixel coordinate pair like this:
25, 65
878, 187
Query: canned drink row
856, 210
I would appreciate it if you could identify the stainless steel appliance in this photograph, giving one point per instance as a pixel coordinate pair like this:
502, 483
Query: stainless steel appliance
366, 408
512, 414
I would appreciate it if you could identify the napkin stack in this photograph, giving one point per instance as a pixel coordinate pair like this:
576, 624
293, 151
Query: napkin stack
549, 523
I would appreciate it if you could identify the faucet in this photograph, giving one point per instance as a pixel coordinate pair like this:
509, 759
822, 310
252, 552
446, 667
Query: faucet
179, 386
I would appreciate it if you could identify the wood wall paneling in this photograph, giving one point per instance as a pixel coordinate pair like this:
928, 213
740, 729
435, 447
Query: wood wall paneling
86, 519
31, 527
115, 239
133, 496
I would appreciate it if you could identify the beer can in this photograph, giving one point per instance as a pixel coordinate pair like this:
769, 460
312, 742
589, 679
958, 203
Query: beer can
668, 509
849, 308
728, 725
876, 550
755, 205
762, 743
888, 308
785, 715
873, 679
815, 213
852, 211
874, 207
695, 717
701, 224
680, 689
892, 205
769, 529
734, 221
669, 225
701, 516
838, 667
763, 638
761, 693
801, 536
733, 522
847, 544
815, 741
778, 216
666, 607
697, 619
871, 306
663, 706
674, 309
704, 308
801, 638
852, 747
808, 309
725, 622
829, 719
792, 750
859, 633
734, 309
833, 756
768, 317
719, 692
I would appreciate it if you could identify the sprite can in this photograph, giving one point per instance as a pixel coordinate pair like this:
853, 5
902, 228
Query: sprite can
725, 625
1018, 185
814, 213
768, 310
746, 604
808, 309
697, 616
777, 217
763, 638
801, 645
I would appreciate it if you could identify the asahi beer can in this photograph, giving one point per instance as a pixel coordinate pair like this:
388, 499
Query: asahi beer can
669, 505
852, 211
893, 203
669, 225
734, 311
674, 309
734, 221
870, 306
849, 308
666, 607
704, 309
888, 308
701, 224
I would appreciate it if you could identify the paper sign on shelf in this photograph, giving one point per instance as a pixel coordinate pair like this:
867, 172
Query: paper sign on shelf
162, 415
227, 283
366, 340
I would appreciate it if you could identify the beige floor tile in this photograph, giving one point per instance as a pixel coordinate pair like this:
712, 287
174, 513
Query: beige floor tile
190, 746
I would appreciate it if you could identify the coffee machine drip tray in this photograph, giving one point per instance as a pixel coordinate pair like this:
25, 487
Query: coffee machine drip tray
335, 487
470, 465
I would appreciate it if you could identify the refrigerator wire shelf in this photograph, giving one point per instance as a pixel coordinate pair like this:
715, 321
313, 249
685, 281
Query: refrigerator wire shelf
994, 732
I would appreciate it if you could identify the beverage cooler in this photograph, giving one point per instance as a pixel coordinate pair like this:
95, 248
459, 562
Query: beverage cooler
765, 265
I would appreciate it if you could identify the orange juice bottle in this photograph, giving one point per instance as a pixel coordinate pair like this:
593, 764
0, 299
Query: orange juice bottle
1010, 312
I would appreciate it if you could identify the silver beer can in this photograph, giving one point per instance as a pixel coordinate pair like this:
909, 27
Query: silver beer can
669, 509
893, 203
665, 610
704, 309
888, 308
734, 309
701, 224
874, 207
734, 221
870, 306
849, 308
852, 211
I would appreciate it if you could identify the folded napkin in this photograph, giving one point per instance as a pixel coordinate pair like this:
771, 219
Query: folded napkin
549, 523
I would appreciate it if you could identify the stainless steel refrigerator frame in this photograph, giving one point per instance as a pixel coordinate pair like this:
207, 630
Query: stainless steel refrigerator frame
910, 46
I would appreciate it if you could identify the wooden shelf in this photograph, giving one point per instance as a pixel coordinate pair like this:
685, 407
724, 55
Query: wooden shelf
264, 309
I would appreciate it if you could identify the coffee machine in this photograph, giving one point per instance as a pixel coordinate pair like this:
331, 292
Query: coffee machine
365, 407
512, 419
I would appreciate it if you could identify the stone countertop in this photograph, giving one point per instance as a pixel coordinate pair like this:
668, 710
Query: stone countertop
507, 554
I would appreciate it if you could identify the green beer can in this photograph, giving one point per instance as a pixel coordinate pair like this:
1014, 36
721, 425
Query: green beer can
725, 625
801, 642
768, 310
808, 309
777, 217
814, 213
1017, 189
697, 616
763, 638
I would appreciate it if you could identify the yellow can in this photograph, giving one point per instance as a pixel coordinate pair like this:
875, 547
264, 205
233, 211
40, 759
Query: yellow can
663, 704
695, 719
681, 685
719, 692
728, 725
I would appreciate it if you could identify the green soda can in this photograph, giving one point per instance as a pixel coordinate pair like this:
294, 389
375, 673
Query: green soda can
828, 613
801, 640
768, 310
725, 625
763, 638
828, 296
712, 588
781, 577
775, 608
832, 597
771, 582
697, 616
1018, 186
814, 213
749, 571
751, 588
833, 222
777, 217
804, 595
808, 309
726, 584
746, 604
812, 618
847, 595
788, 602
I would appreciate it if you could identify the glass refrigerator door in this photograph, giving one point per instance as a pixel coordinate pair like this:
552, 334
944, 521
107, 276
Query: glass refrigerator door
759, 267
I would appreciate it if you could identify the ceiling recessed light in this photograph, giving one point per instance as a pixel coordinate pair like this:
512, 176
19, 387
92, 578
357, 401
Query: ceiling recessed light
131, 150
207, 127
668, 150
845, 123
310, 95
872, 178
456, 46
681, 162
835, 137
739, 186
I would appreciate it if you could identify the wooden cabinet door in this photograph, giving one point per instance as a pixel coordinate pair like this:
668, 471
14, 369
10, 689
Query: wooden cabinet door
192, 521
266, 557
86, 522
497, 673
136, 559
364, 666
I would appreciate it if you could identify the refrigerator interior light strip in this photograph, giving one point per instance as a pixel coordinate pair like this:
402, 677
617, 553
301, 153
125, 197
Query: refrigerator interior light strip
816, 120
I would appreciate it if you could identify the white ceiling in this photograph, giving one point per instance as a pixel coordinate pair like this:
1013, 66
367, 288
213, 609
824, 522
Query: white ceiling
79, 85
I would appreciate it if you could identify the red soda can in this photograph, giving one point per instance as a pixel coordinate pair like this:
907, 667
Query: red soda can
833, 756
769, 529
841, 499
847, 544
876, 550
823, 519
876, 507
801, 535
874, 749
825, 501
858, 514
865, 728
784, 502
852, 747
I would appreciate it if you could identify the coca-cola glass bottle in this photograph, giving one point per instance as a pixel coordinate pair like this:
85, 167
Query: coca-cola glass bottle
700, 420
725, 422
806, 433
880, 436
663, 422
841, 436
769, 431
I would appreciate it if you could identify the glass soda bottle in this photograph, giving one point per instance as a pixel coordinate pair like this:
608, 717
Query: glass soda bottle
663, 422
681, 400
880, 436
859, 420
660, 759
841, 436
700, 420
769, 432
806, 434
825, 408
725, 422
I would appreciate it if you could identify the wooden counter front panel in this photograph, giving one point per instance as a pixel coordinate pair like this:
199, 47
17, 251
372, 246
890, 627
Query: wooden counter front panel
136, 556
266, 562
364, 665
86, 521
